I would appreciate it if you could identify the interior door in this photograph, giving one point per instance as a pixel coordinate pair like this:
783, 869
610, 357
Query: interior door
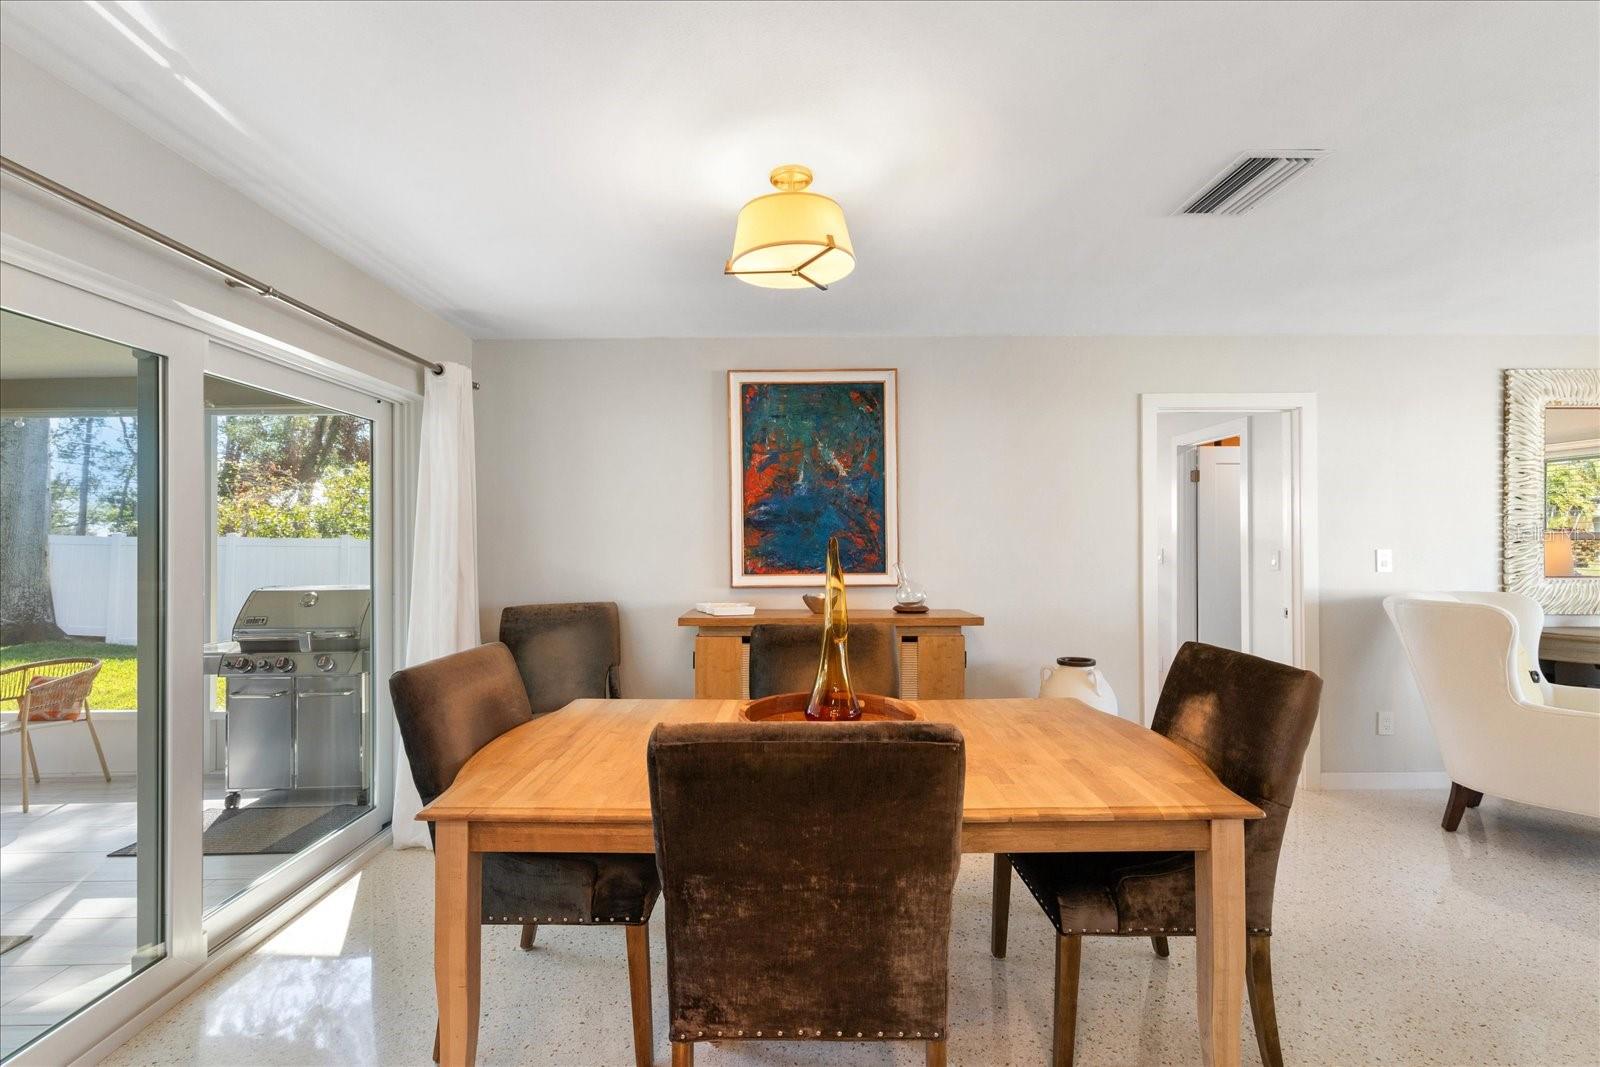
1220, 531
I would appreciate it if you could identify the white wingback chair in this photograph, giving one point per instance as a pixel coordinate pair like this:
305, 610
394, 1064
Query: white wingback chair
1502, 729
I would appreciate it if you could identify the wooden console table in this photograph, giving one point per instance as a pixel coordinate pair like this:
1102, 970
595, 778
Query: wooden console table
933, 649
1570, 655
1571, 644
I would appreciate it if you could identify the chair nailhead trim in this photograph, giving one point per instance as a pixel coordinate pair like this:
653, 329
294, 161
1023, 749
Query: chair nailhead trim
799, 1031
564, 919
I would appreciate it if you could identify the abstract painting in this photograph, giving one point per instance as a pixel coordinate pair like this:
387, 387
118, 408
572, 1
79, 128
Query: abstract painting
812, 456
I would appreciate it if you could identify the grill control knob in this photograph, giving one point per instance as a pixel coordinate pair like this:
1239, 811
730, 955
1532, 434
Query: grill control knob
283, 663
263, 665
242, 664
324, 663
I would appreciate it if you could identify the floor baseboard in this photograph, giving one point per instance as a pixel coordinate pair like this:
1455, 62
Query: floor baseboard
1385, 780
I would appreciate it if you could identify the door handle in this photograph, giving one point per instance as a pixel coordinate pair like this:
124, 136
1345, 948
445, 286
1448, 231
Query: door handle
328, 693
258, 696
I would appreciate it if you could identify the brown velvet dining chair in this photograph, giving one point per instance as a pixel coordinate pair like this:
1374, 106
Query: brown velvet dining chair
783, 659
807, 872
1247, 719
448, 709
565, 652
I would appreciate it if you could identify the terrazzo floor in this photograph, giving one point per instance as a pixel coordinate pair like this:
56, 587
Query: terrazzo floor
78, 905
1395, 943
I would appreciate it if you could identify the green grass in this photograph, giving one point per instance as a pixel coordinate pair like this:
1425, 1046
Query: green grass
117, 685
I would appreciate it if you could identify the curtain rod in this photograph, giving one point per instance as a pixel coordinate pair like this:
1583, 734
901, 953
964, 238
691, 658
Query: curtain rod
236, 278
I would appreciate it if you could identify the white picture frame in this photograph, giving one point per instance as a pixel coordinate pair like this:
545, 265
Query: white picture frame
740, 574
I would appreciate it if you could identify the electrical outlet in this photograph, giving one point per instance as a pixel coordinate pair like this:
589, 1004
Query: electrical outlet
1383, 560
1386, 723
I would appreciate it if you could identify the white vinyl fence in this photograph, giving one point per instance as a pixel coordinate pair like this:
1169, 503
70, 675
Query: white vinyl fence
95, 579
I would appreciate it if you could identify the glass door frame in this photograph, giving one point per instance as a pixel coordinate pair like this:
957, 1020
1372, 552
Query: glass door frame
44, 286
225, 361
178, 432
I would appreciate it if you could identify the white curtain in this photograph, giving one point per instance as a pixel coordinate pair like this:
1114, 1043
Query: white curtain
444, 557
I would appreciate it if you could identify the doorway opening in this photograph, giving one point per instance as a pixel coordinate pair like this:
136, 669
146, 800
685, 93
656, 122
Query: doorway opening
1227, 531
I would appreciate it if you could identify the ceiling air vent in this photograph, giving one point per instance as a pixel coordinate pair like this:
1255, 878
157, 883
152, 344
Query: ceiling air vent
1250, 179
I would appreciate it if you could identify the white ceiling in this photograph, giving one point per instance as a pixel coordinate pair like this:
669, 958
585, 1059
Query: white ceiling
573, 170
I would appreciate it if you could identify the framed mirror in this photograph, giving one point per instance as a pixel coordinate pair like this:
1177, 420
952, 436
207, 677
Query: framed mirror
1551, 527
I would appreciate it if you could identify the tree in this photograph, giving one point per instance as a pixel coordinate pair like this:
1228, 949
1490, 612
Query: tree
124, 517
94, 463
1571, 493
73, 448
27, 609
281, 475
265, 506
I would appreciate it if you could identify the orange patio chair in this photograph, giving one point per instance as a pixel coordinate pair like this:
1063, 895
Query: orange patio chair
47, 693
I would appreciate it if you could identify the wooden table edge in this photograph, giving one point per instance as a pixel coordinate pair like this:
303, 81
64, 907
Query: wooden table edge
978, 837
943, 618
571, 817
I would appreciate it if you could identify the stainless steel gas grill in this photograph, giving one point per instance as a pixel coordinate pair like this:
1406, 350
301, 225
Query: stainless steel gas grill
297, 693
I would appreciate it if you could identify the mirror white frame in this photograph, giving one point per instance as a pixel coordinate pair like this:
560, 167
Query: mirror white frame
1528, 392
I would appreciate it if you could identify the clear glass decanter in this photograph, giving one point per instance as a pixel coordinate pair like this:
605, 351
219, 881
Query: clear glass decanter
908, 594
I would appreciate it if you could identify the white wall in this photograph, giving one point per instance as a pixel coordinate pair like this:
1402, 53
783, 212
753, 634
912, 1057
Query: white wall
60, 133
602, 475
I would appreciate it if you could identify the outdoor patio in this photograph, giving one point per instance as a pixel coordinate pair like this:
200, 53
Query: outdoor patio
76, 903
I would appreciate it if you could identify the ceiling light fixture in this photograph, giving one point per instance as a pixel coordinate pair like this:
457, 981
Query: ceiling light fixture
791, 239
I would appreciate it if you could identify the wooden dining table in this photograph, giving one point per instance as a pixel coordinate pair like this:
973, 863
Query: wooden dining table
1042, 776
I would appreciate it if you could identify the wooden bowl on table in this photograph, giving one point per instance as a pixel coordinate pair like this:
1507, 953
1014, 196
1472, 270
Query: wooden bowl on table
791, 707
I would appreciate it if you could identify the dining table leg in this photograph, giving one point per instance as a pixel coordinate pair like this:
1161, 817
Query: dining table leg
457, 937
1219, 941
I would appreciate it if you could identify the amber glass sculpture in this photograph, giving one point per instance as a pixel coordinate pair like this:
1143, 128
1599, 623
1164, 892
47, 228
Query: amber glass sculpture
832, 699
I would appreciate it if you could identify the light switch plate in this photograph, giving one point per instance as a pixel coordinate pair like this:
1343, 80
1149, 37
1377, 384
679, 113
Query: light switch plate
1386, 723
1383, 560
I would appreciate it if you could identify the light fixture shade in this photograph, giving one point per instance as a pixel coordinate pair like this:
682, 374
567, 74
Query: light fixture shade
791, 239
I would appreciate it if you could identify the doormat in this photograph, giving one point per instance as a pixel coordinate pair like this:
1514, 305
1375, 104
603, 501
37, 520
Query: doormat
11, 941
259, 831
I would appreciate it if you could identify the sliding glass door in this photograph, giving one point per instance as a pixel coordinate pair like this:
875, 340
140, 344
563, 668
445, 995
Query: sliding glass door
164, 492
291, 764
82, 714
